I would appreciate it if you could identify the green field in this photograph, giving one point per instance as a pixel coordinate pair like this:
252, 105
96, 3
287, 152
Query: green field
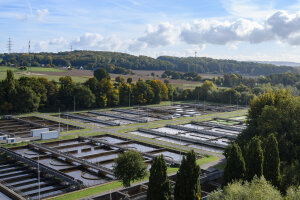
50, 78
3, 70
31, 69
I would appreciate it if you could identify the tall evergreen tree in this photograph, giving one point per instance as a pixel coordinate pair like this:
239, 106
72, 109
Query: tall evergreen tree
272, 161
188, 179
159, 187
235, 167
7, 92
254, 161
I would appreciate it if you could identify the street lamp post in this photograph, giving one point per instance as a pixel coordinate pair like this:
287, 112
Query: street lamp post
39, 176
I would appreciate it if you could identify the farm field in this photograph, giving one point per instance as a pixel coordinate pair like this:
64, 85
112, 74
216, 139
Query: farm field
52, 74
81, 76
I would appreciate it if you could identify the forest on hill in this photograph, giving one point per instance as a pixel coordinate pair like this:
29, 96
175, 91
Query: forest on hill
121, 63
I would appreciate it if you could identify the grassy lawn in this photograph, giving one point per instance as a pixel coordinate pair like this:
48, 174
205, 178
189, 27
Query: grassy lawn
31, 69
116, 184
38, 70
187, 85
220, 166
76, 79
89, 191
207, 159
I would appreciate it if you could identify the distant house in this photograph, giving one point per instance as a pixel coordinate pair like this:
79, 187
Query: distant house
81, 68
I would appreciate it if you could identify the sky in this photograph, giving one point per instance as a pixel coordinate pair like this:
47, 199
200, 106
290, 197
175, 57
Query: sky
224, 29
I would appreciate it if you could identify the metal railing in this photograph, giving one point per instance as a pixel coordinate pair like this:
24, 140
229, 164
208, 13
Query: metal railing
204, 132
119, 116
92, 120
177, 137
215, 125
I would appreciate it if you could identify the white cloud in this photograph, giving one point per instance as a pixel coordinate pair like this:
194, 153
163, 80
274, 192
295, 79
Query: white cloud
88, 40
281, 26
217, 32
41, 14
162, 35
56, 42
95, 41
22, 17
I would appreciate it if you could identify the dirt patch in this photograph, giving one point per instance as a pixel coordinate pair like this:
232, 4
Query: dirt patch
29, 74
73, 72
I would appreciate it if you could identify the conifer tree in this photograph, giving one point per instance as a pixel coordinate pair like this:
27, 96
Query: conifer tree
159, 187
254, 160
272, 161
235, 167
188, 179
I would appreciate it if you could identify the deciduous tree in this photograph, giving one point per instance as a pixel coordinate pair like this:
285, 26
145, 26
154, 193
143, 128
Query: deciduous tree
101, 74
130, 166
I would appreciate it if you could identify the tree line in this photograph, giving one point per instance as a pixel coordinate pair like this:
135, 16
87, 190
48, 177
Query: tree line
28, 94
100, 92
190, 76
285, 79
123, 62
210, 65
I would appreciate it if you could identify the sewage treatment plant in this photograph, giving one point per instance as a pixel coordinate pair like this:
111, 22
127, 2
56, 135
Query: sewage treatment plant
48, 155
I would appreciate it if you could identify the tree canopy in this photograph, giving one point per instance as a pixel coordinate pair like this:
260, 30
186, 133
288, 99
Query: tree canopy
257, 189
130, 166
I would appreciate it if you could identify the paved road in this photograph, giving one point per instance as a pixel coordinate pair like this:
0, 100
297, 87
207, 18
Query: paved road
117, 130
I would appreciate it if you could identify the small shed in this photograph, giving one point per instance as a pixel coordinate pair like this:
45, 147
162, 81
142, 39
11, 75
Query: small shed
49, 135
3, 137
37, 132
10, 140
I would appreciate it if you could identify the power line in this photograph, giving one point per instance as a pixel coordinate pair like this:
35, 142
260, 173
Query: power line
9, 45
195, 61
29, 47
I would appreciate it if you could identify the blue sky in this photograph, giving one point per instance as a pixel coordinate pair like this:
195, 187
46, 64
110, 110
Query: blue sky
229, 29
